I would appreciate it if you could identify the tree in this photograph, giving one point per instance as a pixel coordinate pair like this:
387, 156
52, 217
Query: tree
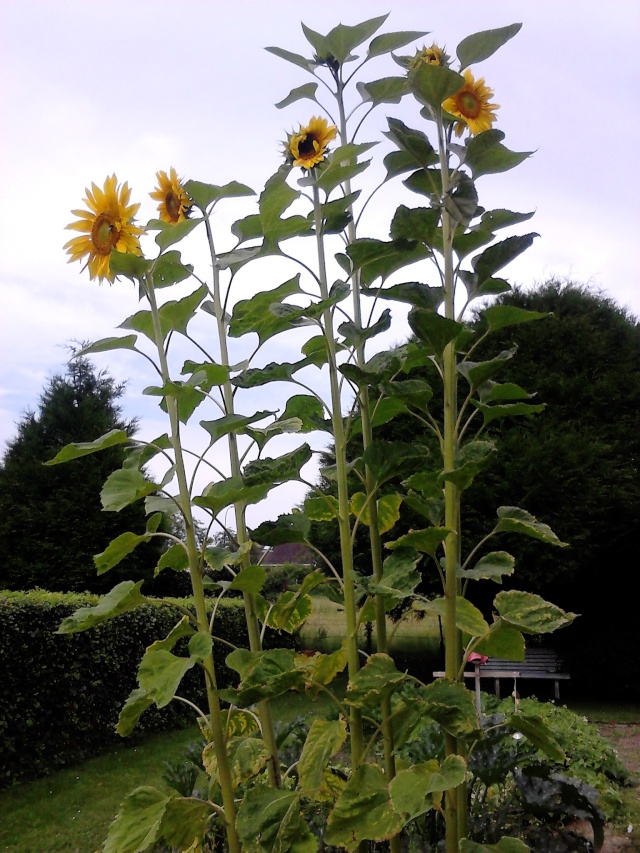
51, 519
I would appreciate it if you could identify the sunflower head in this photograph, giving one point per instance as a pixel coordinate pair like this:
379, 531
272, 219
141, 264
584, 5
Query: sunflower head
433, 55
471, 105
174, 203
105, 226
308, 146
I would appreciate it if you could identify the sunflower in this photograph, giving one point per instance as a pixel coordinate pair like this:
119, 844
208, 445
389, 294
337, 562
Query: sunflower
175, 204
107, 225
471, 104
433, 55
308, 147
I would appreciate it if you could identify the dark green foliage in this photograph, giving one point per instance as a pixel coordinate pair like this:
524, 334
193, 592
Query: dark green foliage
61, 695
51, 519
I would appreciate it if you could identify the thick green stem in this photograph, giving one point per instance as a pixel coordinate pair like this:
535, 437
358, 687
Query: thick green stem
217, 729
242, 536
371, 489
346, 552
451, 492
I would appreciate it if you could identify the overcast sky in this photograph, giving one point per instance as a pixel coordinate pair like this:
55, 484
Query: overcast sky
133, 86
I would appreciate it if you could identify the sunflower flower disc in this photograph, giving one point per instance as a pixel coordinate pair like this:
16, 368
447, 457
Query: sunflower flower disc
308, 147
471, 105
107, 225
174, 204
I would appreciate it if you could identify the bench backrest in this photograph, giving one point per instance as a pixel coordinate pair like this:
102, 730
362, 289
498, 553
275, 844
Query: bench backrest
536, 660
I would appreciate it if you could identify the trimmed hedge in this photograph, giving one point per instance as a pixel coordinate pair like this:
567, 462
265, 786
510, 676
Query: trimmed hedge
60, 695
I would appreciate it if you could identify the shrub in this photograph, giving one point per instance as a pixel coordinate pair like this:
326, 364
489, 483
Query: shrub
61, 694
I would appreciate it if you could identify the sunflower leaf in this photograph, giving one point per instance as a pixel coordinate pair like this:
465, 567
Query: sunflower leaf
392, 41
308, 90
129, 265
169, 269
378, 258
486, 155
414, 142
125, 596
387, 90
295, 58
293, 527
204, 194
170, 233
500, 254
253, 315
482, 45
342, 39
433, 84
84, 448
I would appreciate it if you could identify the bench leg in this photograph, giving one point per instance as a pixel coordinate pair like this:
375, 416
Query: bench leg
497, 686
557, 690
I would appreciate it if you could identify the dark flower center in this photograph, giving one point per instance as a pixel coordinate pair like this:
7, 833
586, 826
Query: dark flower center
306, 147
468, 105
104, 234
172, 203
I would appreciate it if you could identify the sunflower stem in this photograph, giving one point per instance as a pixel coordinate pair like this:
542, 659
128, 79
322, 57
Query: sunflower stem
242, 536
346, 551
195, 570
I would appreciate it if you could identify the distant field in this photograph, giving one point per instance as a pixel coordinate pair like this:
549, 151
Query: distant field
418, 634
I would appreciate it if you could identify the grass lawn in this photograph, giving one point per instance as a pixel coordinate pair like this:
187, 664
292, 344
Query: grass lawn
70, 811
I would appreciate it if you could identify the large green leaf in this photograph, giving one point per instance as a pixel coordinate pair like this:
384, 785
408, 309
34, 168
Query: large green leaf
205, 374
417, 223
294, 58
412, 292
279, 470
125, 596
364, 811
269, 821
426, 541
108, 344
500, 316
470, 460
230, 423
482, 45
250, 579
273, 372
169, 269
290, 612
499, 255
493, 566
388, 507
433, 329
502, 641
264, 675
399, 576
187, 397
468, 618
392, 41
433, 84
180, 629
342, 165
324, 739
308, 90
276, 197
309, 410
161, 672
530, 613
356, 336
129, 265
509, 410
512, 519
84, 448
415, 142
123, 487
132, 710
322, 508
486, 155
376, 258
477, 373
451, 705
185, 822
377, 679
119, 547
233, 490
341, 40
536, 730
204, 194
170, 233
387, 90
137, 824
388, 459
411, 788
217, 558
461, 201
292, 527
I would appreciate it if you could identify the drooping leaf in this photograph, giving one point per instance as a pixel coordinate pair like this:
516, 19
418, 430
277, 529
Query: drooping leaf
204, 194
137, 824
108, 344
461, 201
412, 292
269, 821
509, 410
161, 672
276, 197
123, 487
499, 255
512, 519
388, 459
486, 155
502, 641
355, 336
294, 58
125, 596
324, 739
175, 558
376, 258
363, 811
185, 822
169, 269
417, 223
342, 39
220, 427
217, 558
426, 541
433, 84
309, 410
536, 730
387, 90
497, 318
292, 527
322, 508
117, 550
170, 233
415, 142
135, 706
411, 788
207, 373
254, 377
493, 566
279, 470
129, 265
84, 448
399, 576
451, 705
264, 675
392, 41
530, 613
468, 618
180, 629
482, 45
377, 679
472, 458
250, 579
433, 329
388, 507
342, 165
308, 90
233, 490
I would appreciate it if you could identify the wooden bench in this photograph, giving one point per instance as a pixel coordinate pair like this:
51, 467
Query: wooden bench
538, 664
